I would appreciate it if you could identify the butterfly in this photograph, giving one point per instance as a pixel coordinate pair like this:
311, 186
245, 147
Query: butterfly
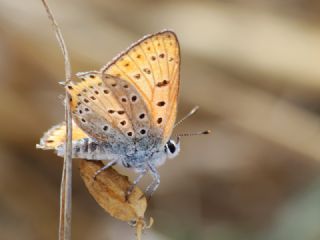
125, 113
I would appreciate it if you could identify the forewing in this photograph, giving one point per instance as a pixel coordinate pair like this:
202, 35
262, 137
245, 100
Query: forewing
97, 110
152, 66
132, 103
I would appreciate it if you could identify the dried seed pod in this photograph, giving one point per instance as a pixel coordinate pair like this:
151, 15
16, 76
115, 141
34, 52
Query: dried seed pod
109, 190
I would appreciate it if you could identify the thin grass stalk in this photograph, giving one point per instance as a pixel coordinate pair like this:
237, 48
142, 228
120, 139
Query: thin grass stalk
66, 182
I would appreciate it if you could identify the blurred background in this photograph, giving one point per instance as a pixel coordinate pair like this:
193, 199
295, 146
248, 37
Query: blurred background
253, 67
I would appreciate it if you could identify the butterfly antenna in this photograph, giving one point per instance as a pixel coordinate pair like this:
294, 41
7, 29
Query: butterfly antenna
191, 134
193, 111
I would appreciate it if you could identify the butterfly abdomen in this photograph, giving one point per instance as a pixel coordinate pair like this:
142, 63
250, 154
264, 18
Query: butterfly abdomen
87, 148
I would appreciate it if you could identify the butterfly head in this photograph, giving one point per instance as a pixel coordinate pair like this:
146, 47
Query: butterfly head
172, 148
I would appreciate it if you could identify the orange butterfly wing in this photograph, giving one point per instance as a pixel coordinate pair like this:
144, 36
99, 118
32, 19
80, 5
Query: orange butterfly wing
107, 107
152, 65
95, 105
56, 136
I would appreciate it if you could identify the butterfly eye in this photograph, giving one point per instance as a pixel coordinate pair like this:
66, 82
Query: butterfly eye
171, 147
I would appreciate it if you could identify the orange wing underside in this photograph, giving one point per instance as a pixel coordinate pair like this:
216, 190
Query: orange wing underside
152, 65
57, 136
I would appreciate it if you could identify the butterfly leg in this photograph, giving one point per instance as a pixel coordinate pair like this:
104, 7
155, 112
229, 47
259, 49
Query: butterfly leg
155, 183
135, 182
109, 164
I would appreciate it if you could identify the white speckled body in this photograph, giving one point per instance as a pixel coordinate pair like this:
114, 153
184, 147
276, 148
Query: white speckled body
131, 154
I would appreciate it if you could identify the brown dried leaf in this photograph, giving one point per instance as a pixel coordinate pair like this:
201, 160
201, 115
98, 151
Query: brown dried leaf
109, 190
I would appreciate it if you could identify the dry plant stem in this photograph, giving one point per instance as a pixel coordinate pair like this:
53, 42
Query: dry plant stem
66, 182
139, 229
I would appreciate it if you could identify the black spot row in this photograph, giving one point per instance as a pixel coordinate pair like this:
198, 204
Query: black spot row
161, 103
137, 76
120, 112
163, 83
147, 70
142, 115
134, 98
142, 131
